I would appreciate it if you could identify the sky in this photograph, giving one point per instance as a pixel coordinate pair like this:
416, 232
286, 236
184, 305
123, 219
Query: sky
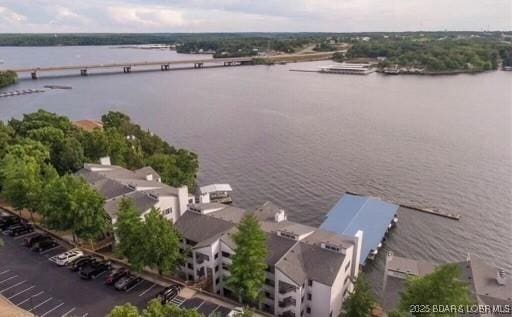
56, 16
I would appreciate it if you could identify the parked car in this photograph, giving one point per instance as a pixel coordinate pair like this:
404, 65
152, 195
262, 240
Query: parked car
8, 221
116, 275
168, 294
94, 269
66, 257
29, 242
237, 311
44, 245
125, 283
81, 261
19, 229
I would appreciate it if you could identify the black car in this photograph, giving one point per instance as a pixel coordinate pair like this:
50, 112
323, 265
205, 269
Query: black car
125, 283
116, 275
81, 261
8, 221
22, 228
44, 245
29, 242
94, 269
168, 294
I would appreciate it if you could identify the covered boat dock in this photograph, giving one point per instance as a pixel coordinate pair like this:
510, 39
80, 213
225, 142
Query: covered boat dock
371, 215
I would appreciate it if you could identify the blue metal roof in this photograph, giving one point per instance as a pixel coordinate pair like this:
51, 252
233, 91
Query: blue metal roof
352, 213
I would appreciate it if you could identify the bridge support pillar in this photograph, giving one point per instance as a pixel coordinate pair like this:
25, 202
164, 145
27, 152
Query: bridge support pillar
164, 67
228, 63
83, 72
127, 69
198, 65
33, 74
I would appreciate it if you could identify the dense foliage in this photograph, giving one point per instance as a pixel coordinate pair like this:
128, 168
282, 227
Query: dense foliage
249, 262
153, 309
443, 287
7, 78
153, 242
432, 54
361, 301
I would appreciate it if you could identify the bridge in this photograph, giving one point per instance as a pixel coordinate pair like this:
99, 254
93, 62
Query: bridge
128, 66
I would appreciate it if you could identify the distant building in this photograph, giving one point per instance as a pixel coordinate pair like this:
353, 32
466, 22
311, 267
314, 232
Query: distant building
488, 285
88, 125
142, 186
310, 271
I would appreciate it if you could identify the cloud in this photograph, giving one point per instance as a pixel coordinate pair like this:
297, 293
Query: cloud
146, 17
252, 15
11, 17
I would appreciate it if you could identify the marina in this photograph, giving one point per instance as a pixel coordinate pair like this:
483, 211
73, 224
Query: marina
20, 92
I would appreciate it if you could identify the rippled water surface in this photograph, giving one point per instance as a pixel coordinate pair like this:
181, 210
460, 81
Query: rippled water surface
302, 139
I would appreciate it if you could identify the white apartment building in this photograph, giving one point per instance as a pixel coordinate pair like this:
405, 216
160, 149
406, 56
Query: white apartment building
142, 186
310, 271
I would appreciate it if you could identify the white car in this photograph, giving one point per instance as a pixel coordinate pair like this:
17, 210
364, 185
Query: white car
237, 311
66, 257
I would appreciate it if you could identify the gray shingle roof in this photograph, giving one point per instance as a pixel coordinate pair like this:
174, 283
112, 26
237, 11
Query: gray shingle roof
277, 247
106, 187
144, 171
197, 227
141, 201
305, 261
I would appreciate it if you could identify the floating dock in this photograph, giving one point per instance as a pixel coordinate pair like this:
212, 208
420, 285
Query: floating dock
430, 211
20, 92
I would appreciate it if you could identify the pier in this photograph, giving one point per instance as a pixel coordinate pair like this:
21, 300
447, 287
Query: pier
424, 210
127, 67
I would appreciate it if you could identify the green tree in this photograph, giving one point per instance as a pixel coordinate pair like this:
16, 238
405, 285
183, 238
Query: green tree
128, 230
156, 309
24, 174
442, 287
162, 243
249, 262
71, 204
6, 138
360, 301
95, 145
126, 310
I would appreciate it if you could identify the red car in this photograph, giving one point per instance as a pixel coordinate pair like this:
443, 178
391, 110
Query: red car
116, 275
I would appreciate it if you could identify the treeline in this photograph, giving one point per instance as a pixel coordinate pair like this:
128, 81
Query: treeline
40, 153
127, 144
433, 54
7, 78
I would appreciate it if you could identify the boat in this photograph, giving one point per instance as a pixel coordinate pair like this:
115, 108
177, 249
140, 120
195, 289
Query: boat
348, 68
216, 193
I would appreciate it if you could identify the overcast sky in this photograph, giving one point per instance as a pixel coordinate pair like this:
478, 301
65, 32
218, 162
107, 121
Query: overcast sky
252, 15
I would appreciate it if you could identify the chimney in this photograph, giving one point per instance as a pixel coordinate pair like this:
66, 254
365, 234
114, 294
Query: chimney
501, 277
105, 161
149, 177
280, 216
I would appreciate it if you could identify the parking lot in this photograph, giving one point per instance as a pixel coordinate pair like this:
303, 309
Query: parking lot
32, 282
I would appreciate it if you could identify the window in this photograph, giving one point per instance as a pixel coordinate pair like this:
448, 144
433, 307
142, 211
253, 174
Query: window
226, 255
189, 265
308, 310
167, 211
216, 268
217, 280
309, 296
310, 282
216, 255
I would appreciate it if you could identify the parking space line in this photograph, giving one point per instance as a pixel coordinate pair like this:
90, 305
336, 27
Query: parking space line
200, 304
85, 315
211, 314
26, 300
23, 291
134, 286
54, 308
6, 271
147, 290
40, 304
49, 250
23, 236
12, 286
9, 278
69, 312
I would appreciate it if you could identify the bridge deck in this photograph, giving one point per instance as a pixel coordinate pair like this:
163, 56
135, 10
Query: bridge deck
132, 64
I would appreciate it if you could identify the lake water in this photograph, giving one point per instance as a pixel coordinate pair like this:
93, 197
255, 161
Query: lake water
302, 139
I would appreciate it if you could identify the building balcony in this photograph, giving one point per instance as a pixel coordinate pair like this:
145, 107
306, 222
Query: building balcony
287, 313
285, 288
287, 302
201, 258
